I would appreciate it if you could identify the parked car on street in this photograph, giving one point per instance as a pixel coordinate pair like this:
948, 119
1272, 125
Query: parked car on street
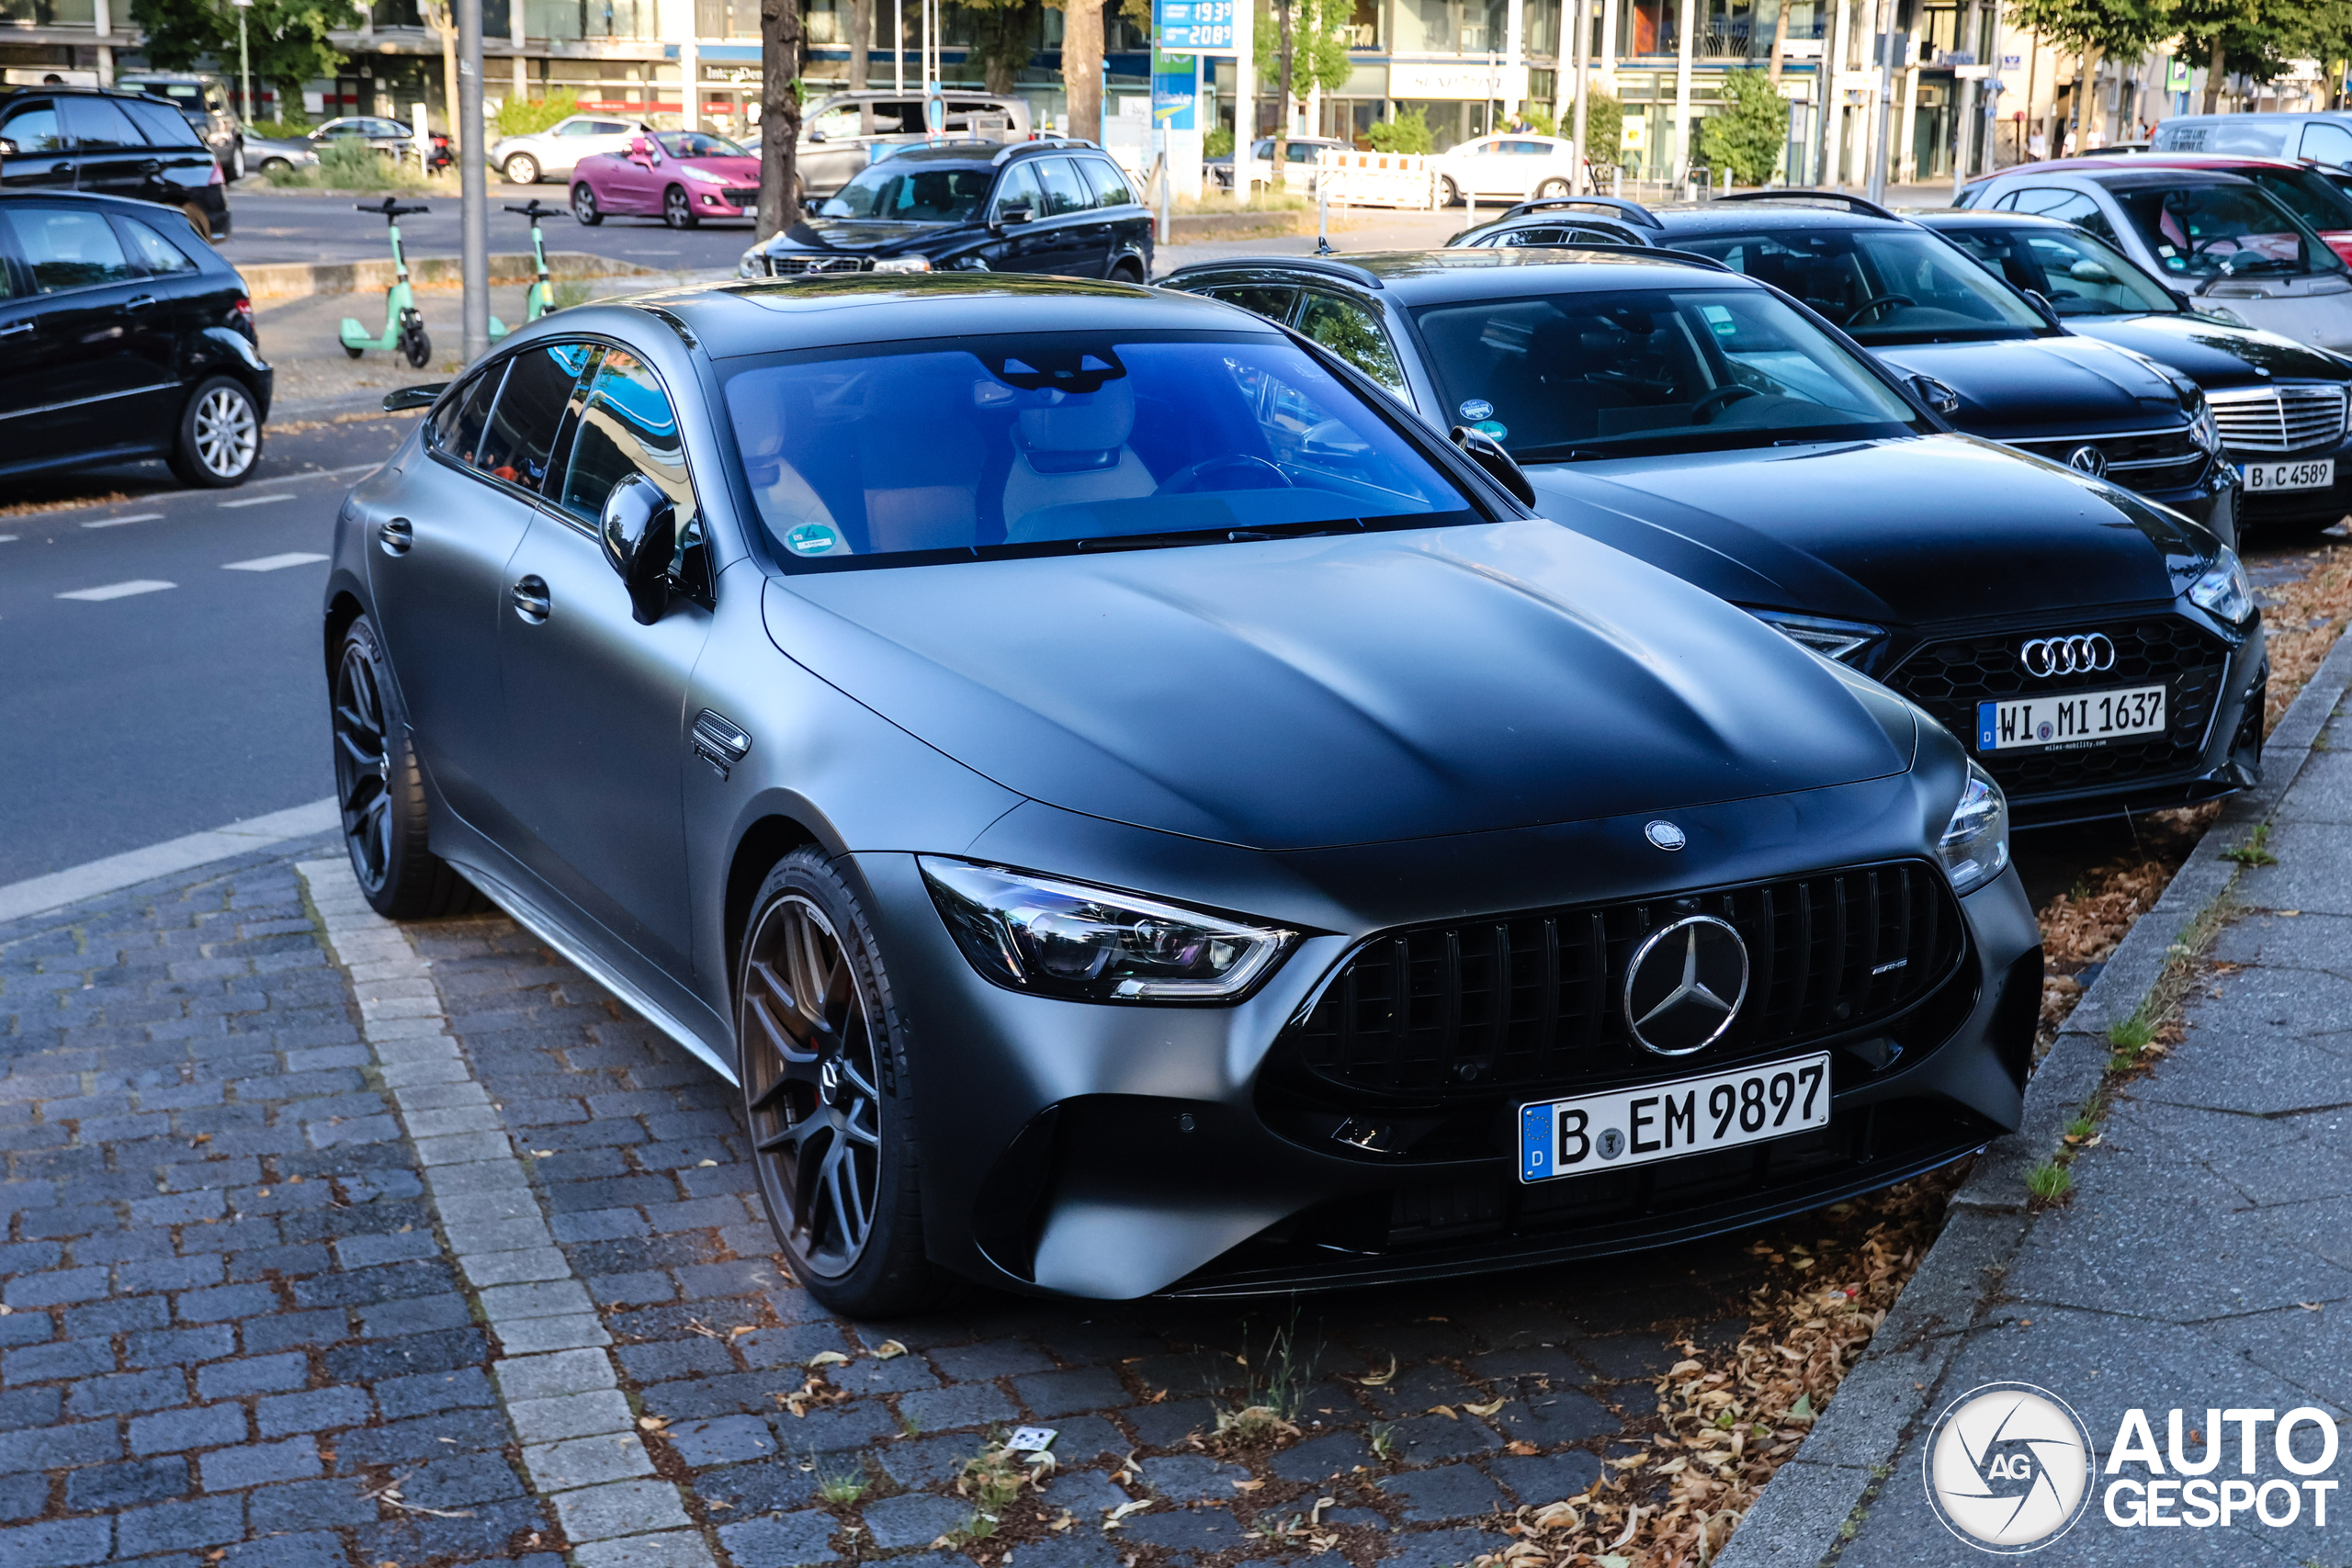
976, 207
2219, 238
1299, 162
393, 138
123, 336
2317, 138
1554, 221
680, 176
2302, 188
839, 132
555, 152
2279, 405
1518, 166
1717, 429
112, 143
268, 152
1995, 365
208, 105
1104, 737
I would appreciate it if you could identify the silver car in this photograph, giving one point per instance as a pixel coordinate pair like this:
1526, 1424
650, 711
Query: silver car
268, 152
838, 133
553, 152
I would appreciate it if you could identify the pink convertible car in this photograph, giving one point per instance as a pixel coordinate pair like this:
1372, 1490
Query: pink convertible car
681, 176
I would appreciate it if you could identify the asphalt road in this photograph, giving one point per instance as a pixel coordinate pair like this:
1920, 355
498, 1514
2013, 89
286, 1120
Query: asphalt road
272, 226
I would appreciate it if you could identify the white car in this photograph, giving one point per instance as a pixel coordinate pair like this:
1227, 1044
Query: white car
550, 153
1517, 165
1298, 173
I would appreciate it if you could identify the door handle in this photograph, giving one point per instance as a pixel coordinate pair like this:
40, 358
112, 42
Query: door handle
139, 303
12, 328
396, 535
531, 601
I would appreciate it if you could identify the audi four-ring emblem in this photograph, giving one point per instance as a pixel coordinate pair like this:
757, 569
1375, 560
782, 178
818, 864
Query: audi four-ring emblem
2080, 654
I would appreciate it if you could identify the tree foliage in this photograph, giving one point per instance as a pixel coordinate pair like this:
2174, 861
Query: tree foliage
522, 117
1405, 133
1604, 127
1747, 134
1320, 62
286, 40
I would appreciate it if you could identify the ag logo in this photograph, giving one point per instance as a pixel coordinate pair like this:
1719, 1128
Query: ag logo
2008, 1467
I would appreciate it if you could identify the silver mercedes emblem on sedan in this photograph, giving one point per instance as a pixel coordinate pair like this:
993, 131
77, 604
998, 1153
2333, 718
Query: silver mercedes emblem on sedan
1685, 985
1665, 835
2089, 460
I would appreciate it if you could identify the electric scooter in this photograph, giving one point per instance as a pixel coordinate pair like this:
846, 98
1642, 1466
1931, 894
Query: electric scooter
404, 324
541, 298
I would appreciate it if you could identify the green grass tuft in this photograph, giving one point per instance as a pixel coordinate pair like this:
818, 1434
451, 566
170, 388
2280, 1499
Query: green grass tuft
2050, 1181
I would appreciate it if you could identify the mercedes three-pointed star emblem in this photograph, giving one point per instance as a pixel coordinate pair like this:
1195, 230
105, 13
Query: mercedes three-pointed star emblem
1685, 985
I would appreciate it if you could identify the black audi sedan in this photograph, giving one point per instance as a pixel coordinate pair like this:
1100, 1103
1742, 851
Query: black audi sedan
123, 336
1056, 206
1098, 740
110, 143
2281, 405
1994, 365
1713, 426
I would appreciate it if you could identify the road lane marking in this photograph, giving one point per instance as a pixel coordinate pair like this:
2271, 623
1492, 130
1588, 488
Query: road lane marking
273, 563
256, 500
118, 590
7, 538
118, 522
39, 894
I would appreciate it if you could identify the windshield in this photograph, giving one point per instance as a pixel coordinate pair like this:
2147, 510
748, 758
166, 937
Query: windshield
911, 193
1883, 286
2307, 194
2079, 275
2207, 232
698, 144
1571, 376
1046, 444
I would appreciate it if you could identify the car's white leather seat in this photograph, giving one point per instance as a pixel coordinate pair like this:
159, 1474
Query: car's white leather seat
1073, 451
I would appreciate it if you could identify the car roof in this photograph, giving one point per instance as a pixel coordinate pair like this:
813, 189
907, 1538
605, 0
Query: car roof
129, 206
1478, 274
1942, 217
51, 89
1720, 216
2140, 177
2218, 161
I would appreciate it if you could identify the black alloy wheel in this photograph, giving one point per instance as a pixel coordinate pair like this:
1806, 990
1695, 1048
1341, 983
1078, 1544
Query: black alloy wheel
379, 789
826, 1103
678, 208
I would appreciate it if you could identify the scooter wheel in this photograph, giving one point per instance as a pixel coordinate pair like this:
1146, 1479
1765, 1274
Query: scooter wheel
355, 352
419, 350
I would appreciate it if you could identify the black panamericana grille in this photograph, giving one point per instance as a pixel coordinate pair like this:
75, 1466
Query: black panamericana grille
1950, 678
1531, 1002
740, 196
798, 267
2140, 460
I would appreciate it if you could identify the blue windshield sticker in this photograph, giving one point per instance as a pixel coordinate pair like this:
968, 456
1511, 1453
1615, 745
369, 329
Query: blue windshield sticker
1719, 318
1493, 427
813, 539
1477, 409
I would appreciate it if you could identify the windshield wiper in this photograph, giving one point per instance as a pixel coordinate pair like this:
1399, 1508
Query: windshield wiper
1218, 536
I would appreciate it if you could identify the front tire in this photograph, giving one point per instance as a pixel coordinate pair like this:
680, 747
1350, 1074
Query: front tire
678, 208
1448, 193
522, 169
827, 1096
379, 787
1552, 188
583, 206
219, 436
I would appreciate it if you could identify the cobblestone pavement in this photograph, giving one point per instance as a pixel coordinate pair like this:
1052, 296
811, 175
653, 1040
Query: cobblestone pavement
333, 1244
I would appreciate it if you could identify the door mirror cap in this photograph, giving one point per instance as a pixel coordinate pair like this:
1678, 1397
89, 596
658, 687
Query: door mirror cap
1936, 394
640, 532
8, 148
815, 136
1007, 216
414, 397
1501, 467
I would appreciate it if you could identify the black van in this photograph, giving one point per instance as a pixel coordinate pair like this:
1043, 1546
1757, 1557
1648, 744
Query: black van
126, 144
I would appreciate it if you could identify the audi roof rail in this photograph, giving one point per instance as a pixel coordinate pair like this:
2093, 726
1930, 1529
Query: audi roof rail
1837, 198
1633, 210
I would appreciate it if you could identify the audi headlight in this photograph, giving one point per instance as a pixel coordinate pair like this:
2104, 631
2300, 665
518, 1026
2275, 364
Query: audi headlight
1975, 844
1843, 641
2224, 591
903, 264
1065, 939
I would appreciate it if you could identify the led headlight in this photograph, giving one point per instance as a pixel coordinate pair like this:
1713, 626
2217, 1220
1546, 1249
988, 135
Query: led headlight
1064, 939
2204, 431
1975, 843
903, 264
2224, 591
1846, 640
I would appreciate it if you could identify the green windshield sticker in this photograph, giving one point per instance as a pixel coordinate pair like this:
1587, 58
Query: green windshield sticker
1719, 318
1493, 427
813, 539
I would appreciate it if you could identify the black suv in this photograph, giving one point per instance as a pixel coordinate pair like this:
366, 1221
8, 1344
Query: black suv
125, 144
1057, 207
123, 335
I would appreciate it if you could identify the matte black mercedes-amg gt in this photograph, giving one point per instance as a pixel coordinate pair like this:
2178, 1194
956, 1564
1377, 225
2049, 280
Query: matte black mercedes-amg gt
1137, 811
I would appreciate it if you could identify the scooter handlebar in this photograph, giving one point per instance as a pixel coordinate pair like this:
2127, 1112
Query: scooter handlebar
388, 208
533, 212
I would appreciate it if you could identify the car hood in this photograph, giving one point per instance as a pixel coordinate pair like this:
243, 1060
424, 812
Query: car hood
2053, 386
1911, 532
2214, 355
1300, 694
727, 167
862, 236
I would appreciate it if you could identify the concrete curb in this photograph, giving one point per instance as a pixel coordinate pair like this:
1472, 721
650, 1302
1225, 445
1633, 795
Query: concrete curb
1799, 1520
40, 895
292, 280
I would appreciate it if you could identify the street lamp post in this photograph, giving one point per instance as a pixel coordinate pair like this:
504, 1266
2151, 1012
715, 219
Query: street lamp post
244, 61
473, 184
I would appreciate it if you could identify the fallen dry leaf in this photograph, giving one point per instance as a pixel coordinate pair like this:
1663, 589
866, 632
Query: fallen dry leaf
1444, 1410
1380, 1379
1486, 1409
828, 1359
652, 1423
1519, 1446
888, 1349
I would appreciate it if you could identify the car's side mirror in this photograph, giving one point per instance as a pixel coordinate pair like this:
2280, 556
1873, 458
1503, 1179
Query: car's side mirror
1501, 467
1936, 394
1009, 215
8, 148
815, 136
2089, 271
414, 396
640, 530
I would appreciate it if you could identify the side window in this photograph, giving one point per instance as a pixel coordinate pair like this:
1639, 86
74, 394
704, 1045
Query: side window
13, 284
34, 128
163, 125
1522, 237
97, 125
457, 424
1270, 300
1110, 184
1065, 192
529, 412
2326, 143
623, 424
1019, 188
157, 256
69, 249
1354, 334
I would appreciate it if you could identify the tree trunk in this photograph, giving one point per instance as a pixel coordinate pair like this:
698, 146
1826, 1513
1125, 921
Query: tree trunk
2214, 77
781, 42
861, 41
1082, 67
1779, 40
446, 25
1283, 59
2089, 114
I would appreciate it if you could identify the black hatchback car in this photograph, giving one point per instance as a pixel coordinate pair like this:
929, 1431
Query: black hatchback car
1717, 429
1056, 206
110, 143
123, 335
2281, 405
